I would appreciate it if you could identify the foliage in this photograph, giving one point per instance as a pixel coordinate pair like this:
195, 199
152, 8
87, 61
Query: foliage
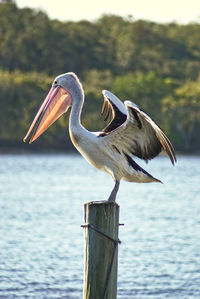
19, 99
145, 89
157, 66
182, 109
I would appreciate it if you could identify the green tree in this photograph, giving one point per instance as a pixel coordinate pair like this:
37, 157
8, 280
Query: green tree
182, 110
145, 89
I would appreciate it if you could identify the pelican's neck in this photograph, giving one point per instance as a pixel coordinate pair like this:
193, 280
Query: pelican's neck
75, 127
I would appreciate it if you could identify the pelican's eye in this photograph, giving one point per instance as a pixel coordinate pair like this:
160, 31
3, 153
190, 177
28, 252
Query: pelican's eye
55, 82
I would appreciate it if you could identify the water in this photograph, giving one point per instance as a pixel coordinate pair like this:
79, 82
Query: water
41, 241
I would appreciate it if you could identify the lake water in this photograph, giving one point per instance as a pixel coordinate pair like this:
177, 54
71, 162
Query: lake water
41, 241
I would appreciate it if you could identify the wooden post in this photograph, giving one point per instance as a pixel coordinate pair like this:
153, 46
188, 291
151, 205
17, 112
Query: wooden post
101, 250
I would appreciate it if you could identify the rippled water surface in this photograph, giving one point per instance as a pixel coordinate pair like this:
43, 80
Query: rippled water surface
41, 241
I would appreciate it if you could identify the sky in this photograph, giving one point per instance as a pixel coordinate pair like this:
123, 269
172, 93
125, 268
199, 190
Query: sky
162, 11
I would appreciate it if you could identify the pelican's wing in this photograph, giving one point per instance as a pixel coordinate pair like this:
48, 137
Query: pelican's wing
138, 135
116, 107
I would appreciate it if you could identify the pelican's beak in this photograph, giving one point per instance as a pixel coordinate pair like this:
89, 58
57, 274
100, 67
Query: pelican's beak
56, 103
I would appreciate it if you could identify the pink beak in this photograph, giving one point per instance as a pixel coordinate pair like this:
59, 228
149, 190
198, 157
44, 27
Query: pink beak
55, 104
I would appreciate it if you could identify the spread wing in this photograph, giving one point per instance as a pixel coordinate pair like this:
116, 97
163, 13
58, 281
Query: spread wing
133, 132
113, 105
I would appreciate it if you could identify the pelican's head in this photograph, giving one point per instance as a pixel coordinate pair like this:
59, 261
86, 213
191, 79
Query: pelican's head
64, 88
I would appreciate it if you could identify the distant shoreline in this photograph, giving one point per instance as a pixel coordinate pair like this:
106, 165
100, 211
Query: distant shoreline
27, 149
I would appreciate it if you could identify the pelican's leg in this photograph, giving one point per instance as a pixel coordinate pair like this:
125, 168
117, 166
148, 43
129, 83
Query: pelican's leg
113, 194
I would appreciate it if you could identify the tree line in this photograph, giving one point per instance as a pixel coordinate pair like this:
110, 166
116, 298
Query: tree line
157, 66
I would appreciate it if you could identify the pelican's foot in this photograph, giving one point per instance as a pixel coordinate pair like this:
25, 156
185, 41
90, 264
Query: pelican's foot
113, 194
111, 198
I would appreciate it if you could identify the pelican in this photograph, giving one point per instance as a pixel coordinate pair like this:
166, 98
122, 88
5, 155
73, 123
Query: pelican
131, 132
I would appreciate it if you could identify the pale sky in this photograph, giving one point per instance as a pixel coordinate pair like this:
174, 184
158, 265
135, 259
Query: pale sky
163, 11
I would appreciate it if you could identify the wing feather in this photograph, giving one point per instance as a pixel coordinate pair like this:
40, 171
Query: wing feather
132, 131
152, 132
114, 106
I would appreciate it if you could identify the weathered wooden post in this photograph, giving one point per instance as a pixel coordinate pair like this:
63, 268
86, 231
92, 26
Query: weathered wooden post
101, 250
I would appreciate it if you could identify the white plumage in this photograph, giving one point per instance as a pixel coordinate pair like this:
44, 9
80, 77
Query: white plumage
131, 132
